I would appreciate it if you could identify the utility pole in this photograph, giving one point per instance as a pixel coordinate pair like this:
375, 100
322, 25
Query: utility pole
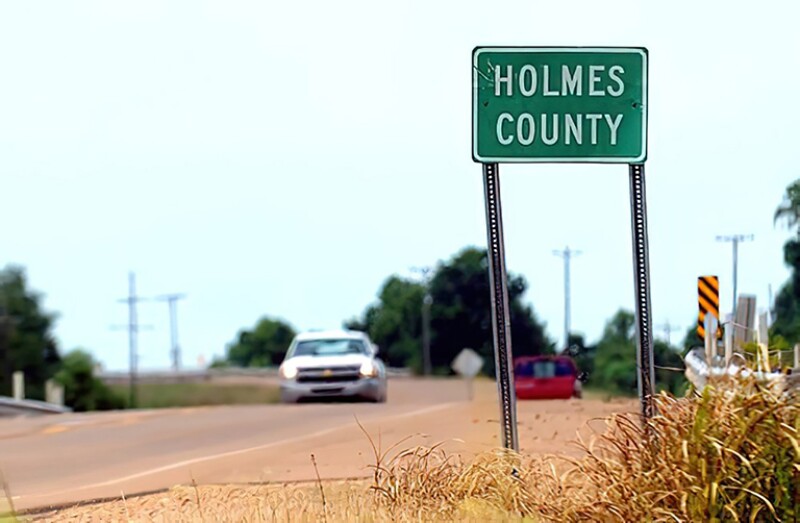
133, 330
567, 255
668, 328
770, 305
175, 350
427, 301
735, 239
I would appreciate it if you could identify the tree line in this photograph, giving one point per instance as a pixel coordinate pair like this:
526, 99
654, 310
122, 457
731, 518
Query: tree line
460, 316
27, 344
785, 329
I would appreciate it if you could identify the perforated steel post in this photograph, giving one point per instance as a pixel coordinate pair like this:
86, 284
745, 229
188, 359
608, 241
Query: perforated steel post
641, 270
501, 321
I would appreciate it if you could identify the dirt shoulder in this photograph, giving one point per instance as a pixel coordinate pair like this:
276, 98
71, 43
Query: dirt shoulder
462, 428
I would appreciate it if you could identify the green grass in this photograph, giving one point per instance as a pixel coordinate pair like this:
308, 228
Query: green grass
165, 395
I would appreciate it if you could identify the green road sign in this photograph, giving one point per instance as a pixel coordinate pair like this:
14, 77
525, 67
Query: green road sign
567, 104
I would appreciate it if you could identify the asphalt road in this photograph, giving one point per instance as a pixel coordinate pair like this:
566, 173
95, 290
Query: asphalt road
63, 459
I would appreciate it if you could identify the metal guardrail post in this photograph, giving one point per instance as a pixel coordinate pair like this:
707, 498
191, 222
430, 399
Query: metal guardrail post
18, 385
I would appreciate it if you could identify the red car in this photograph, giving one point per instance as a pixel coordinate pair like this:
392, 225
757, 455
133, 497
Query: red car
546, 377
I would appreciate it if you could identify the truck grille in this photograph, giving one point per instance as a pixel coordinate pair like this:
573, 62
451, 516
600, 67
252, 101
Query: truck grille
328, 374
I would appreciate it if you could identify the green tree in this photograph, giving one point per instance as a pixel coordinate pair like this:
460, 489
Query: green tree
691, 339
669, 368
460, 315
82, 390
789, 209
786, 309
265, 345
26, 341
461, 312
395, 322
219, 363
583, 354
615, 361
787, 302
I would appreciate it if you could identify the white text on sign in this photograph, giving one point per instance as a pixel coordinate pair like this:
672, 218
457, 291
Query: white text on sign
527, 128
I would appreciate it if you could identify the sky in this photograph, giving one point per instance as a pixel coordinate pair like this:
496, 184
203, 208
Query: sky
284, 158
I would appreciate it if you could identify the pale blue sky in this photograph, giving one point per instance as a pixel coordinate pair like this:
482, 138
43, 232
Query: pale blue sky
283, 158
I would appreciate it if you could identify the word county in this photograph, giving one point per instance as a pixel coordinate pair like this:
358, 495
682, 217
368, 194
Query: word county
550, 129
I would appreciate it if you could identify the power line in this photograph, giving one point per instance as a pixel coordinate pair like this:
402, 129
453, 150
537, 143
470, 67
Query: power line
567, 255
172, 300
735, 239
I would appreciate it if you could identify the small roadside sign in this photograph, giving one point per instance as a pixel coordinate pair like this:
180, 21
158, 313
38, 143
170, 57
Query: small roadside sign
468, 364
708, 301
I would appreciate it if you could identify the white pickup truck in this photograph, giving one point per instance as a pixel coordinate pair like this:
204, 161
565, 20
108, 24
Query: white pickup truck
339, 364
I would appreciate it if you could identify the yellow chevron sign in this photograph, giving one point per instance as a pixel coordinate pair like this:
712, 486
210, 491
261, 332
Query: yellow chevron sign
708, 300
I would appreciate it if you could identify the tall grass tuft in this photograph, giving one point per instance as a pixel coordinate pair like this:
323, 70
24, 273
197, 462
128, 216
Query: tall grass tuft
728, 454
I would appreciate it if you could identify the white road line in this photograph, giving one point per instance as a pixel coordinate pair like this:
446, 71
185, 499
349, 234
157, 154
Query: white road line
230, 453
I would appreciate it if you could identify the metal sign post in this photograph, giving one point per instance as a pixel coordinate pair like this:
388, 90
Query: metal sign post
710, 341
641, 275
745, 320
728, 344
501, 320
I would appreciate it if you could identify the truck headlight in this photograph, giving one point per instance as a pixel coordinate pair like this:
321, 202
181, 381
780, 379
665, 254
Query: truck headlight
368, 369
288, 371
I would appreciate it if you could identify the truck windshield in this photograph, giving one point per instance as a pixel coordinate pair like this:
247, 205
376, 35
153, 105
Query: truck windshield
336, 347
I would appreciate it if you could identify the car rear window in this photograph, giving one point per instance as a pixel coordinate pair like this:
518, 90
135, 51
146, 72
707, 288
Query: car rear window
543, 369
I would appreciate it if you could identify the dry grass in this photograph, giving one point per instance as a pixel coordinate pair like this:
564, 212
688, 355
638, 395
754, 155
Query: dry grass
167, 395
731, 454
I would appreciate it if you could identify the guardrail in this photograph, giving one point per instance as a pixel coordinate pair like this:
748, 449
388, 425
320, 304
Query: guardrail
168, 376
699, 372
14, 407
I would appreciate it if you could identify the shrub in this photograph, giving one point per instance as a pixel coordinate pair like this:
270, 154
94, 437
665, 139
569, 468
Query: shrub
82, 390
